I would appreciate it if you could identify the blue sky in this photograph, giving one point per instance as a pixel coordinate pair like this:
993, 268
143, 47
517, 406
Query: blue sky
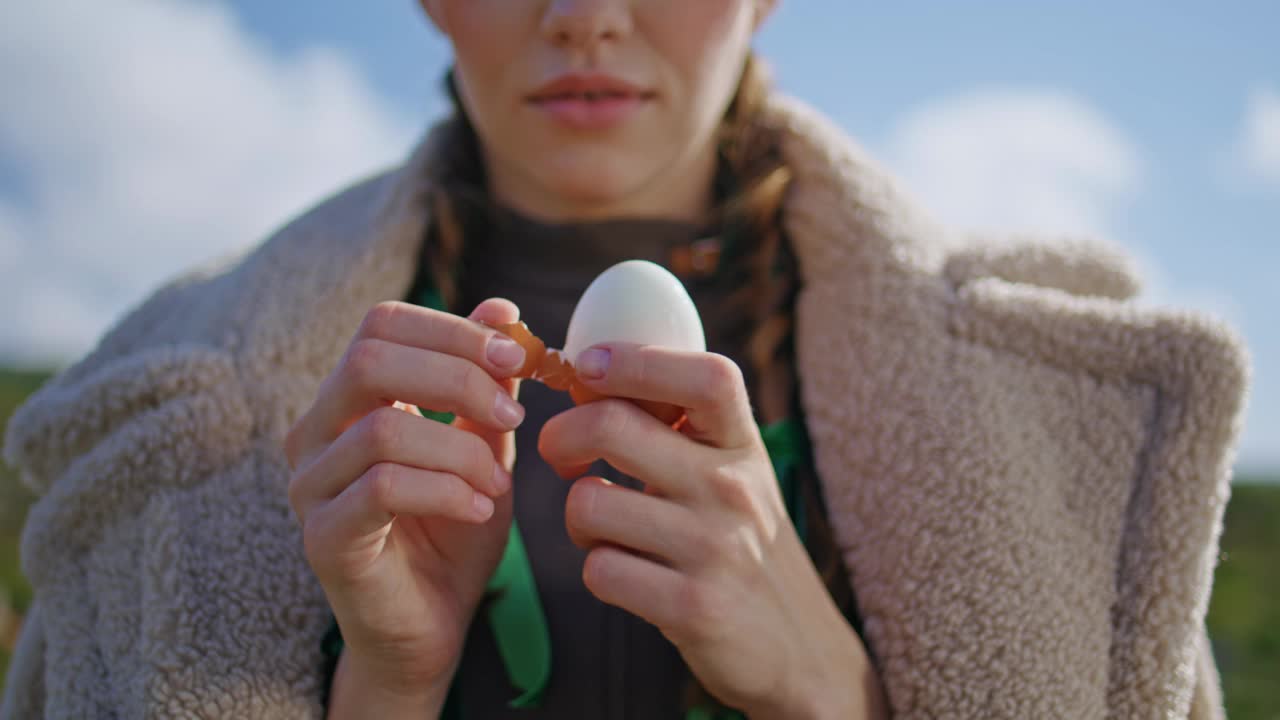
145, 135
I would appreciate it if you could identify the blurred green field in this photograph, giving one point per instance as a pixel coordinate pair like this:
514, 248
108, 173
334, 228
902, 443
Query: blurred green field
1244, 617
15, 594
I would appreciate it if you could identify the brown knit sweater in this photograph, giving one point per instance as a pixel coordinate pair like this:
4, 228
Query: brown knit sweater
606, 663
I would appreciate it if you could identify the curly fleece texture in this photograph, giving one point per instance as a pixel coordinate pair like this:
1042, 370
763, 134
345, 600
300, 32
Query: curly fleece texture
1026, 472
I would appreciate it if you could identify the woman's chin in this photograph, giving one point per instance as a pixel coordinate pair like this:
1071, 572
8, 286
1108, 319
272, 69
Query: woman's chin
603, 179
593, 195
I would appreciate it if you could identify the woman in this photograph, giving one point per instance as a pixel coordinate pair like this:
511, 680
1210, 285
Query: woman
1021, 473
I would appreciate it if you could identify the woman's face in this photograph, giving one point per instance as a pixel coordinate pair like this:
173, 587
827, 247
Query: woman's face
593, 108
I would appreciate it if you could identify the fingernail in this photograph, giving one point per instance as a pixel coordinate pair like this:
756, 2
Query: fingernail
501, 479
504, 352
482, 505
507, 410
593, 363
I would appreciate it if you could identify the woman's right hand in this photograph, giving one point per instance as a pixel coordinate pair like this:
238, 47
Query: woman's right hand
404, 518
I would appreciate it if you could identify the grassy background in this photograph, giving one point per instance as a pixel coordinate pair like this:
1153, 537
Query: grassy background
1244, 617
15, 594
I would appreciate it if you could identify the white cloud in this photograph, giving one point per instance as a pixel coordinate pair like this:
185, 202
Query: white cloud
1038, 161
150, 135
1259, 145
1015, 160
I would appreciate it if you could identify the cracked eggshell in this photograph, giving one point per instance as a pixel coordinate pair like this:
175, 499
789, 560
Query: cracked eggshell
635, 301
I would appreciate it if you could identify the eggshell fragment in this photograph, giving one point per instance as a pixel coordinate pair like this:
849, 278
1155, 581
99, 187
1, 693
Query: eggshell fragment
534, 348
582, 394
634, 301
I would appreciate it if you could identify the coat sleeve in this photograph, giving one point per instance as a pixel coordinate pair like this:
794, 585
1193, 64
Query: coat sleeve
24, 684
166, 561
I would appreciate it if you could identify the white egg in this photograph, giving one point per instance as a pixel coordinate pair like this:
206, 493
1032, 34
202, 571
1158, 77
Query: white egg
637, 302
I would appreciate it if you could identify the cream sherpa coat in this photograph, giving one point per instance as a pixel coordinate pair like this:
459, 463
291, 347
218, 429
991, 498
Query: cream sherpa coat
1025, 471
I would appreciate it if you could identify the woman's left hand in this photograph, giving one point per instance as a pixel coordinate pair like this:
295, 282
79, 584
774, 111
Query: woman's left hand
706, 553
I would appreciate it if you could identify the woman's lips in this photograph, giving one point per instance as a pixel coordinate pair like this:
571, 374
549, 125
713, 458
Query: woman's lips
600, 113
590, 102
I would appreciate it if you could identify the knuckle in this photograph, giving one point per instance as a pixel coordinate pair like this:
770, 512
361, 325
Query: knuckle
318, 544
479, 457
378, 321
360, 365
631, 368
548, 438
295, 493
705, 546
723, 380
379, 484
313, 540
562, 435
455, 495
735, 547
382, 429
290, 445
578, 505
465, 381
595, 571
733, 489
463, 375
462, 336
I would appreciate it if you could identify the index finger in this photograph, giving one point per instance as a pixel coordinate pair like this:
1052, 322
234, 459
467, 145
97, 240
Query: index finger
708, 386
469, 338
400, 329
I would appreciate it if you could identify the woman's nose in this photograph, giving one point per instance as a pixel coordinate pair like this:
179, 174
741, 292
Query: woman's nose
585, 24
